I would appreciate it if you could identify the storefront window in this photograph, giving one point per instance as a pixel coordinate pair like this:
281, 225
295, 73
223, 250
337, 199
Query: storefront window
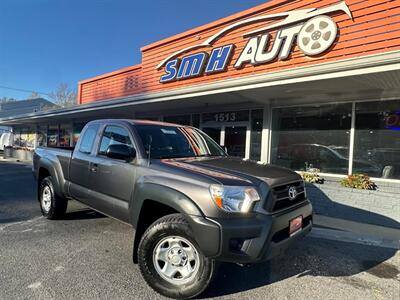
77, 129
52, 136
181, 120
17, 137
196, 120
27, 137
41, 136
310, 137
147, 118
377, 139
65, 135
256, 134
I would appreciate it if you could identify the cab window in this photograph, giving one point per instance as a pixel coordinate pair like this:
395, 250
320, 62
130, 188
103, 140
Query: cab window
87, 140
114, 135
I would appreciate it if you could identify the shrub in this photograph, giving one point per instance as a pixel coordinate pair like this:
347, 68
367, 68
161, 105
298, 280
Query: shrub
312, 176
358, 181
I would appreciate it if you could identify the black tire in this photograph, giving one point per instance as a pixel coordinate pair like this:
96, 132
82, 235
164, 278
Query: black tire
57, 206
172, 225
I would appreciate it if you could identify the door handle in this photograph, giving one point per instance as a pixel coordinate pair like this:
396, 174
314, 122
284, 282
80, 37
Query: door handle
93, 168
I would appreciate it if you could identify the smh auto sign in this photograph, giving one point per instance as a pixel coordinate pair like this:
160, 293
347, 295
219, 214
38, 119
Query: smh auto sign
312, 29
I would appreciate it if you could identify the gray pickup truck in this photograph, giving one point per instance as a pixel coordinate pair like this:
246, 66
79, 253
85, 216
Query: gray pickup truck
190, 203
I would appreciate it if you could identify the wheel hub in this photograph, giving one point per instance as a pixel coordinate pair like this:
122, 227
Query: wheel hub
176, 260
46, 198
177, 257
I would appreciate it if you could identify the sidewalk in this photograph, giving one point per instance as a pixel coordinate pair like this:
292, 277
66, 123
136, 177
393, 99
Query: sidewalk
349, 231
2, 159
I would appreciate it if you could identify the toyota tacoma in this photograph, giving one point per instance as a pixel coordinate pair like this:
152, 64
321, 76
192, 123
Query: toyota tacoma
191, 204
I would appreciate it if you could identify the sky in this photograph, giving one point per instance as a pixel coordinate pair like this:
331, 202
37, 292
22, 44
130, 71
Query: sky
47, 42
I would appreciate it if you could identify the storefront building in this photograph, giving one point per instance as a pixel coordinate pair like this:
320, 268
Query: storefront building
301, 84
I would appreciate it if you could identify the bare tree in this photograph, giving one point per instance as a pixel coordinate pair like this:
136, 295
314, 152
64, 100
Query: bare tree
63, 96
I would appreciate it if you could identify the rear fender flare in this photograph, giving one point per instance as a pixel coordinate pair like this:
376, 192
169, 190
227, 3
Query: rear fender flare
58, 180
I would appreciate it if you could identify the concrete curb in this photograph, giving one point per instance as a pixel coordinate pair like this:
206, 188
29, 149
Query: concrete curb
345, 236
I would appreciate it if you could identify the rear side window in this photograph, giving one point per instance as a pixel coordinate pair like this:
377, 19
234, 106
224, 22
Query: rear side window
88, 138
114, 135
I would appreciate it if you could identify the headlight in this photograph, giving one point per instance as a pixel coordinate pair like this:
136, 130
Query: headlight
234, 198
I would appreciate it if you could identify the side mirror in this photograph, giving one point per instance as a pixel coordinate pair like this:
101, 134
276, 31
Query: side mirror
121, 152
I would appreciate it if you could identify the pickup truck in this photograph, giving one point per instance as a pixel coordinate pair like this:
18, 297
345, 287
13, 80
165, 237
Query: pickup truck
192, 205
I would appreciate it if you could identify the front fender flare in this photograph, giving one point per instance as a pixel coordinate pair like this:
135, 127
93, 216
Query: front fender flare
164, 195
206, 233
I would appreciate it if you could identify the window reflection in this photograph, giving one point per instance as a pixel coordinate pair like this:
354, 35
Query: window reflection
256, 133
377, 138
312, 137
114, 135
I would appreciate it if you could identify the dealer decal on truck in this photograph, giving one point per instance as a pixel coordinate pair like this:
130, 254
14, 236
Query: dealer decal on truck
312, 30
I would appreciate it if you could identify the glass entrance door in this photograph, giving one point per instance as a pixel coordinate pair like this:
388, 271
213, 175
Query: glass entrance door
235, 140
233, 137
214, 133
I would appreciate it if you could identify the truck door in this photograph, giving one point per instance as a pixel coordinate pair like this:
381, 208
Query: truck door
80, 162
111, 181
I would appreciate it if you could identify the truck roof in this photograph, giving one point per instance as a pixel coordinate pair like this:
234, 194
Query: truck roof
136, 122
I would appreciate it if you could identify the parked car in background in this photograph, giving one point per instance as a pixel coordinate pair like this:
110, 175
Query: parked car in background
388, 158
328, 159
191, 204
6, 140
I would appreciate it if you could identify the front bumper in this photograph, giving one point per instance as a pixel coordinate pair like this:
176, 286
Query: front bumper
250, 240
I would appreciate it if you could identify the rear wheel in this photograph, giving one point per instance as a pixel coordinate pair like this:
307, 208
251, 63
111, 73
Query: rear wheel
170, 260
51, 205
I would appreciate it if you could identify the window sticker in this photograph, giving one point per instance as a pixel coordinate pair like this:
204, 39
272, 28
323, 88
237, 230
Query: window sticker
166, 131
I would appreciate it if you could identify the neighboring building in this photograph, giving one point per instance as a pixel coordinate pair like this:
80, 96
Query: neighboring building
22, 107
24, 137
299, 84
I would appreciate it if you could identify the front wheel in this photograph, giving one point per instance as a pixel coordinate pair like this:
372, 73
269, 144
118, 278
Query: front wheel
170, 260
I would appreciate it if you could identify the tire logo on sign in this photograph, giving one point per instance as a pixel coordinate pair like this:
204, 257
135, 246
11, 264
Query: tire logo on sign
311, 29
292, 193
317, 35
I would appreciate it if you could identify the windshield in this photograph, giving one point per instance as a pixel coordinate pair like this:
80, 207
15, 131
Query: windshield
343, 152
176, 142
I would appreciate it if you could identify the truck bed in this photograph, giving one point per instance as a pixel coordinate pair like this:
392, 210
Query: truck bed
58, 156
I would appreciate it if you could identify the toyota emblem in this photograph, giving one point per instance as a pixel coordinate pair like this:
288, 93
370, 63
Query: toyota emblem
292, 193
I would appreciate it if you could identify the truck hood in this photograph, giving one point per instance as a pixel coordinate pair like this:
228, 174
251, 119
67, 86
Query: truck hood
233, 171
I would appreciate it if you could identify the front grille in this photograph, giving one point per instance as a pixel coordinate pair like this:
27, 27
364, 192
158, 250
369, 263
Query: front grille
280, 195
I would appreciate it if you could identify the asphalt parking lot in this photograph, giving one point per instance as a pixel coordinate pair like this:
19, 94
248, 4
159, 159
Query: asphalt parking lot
88, 256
